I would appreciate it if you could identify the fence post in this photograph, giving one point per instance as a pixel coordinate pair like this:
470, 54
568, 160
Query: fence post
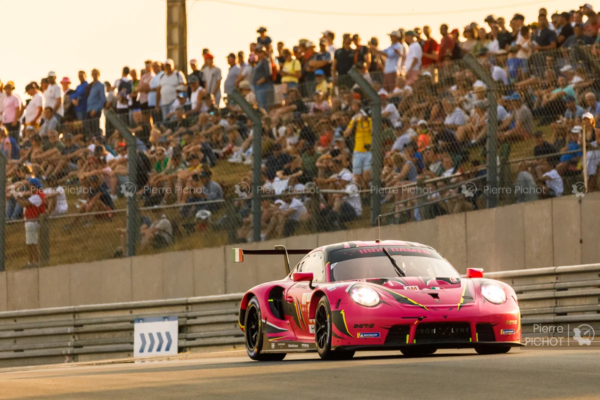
492, 137
2, 211
256, 118
377, 162
130, 188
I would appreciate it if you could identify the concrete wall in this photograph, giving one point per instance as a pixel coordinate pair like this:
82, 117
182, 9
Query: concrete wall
564, 231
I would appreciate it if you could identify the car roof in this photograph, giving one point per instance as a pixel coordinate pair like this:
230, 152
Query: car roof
369, 243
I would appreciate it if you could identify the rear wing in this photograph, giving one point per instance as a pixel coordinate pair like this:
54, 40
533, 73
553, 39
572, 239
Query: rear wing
238, 254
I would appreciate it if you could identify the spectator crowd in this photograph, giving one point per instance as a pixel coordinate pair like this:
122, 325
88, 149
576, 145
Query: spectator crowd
317, 127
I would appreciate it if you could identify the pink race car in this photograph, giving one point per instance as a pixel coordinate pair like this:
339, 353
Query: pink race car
388, 295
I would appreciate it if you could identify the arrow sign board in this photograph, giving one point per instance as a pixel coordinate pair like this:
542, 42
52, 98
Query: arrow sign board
155, 336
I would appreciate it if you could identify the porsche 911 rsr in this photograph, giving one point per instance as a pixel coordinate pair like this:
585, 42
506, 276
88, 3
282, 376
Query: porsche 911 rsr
388, 295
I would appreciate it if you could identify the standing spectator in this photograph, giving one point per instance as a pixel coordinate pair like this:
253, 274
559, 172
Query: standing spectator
446, 45
430, 48
96, 101
413, 58
263, 39
361, 53
166, 93
262, 79
143, 88
212, 78
544, 38
505, 38
68, 106
564, 30
320, 61
590, 135
79, 98
198, 73
34, 203
377, 61
232, 75
291, 71
53, 96
360, 126
343, 60
35, 107
393, 55
330, 37
152, 90
50, 122
12, 111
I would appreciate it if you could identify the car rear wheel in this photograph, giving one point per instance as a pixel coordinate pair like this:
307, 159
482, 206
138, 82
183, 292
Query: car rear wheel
323, 334
492, 349
418, 351
254, 336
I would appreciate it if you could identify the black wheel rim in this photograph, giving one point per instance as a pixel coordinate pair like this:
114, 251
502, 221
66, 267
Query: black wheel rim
252, 329
322, 328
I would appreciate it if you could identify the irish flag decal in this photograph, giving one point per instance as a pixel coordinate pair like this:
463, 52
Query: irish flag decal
238, 255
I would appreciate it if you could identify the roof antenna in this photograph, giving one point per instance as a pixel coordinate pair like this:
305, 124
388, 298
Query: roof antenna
378, 229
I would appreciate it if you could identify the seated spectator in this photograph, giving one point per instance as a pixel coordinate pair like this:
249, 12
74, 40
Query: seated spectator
573, 111
550, 181
571, 154
292, 210
158, 235
320, 104
525, 187
50, 121
201, 189
455, 116
592, 106
520, 124
56, 198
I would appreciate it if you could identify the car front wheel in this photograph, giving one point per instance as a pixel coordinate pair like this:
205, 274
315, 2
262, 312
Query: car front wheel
323, 334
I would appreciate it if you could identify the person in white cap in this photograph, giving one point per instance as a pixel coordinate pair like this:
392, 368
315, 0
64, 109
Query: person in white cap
166, 93
393, 55
53, 96
592, 150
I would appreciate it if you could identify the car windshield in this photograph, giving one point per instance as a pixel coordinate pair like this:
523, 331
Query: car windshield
372, 262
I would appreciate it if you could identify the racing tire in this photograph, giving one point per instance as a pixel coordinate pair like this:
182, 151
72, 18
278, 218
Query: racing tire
253, 335
323, 334
484, 350
418, 351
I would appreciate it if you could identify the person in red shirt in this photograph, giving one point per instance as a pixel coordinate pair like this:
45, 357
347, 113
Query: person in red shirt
430, 49
33, 201
446, 45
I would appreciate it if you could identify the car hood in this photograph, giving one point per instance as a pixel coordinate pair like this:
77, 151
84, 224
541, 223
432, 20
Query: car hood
426, 292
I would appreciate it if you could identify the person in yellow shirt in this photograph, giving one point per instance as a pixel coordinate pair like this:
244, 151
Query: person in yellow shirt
361, 126
291, 71
322, 84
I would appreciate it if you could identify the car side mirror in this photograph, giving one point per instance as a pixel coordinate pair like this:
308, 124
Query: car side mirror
302, 276
474, 272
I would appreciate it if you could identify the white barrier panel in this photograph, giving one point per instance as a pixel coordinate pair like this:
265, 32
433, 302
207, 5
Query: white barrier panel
155, 336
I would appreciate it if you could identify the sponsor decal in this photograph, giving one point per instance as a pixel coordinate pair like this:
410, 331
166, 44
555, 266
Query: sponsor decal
311, 328
411, 288
272, 345
512, 322
361, 326
507, 331
434, 288
304, 296
369, 335
292, 346
454, 280
333, 287
280, 344
305, 345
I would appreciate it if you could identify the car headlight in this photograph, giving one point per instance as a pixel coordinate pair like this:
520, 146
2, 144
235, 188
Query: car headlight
365, 296
493, 293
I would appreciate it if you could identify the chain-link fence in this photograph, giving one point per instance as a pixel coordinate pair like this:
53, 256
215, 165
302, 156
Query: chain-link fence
334, 152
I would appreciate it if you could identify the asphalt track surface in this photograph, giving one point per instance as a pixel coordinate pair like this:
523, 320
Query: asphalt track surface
449, 374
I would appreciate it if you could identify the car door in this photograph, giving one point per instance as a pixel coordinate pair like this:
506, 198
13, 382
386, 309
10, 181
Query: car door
298, 295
